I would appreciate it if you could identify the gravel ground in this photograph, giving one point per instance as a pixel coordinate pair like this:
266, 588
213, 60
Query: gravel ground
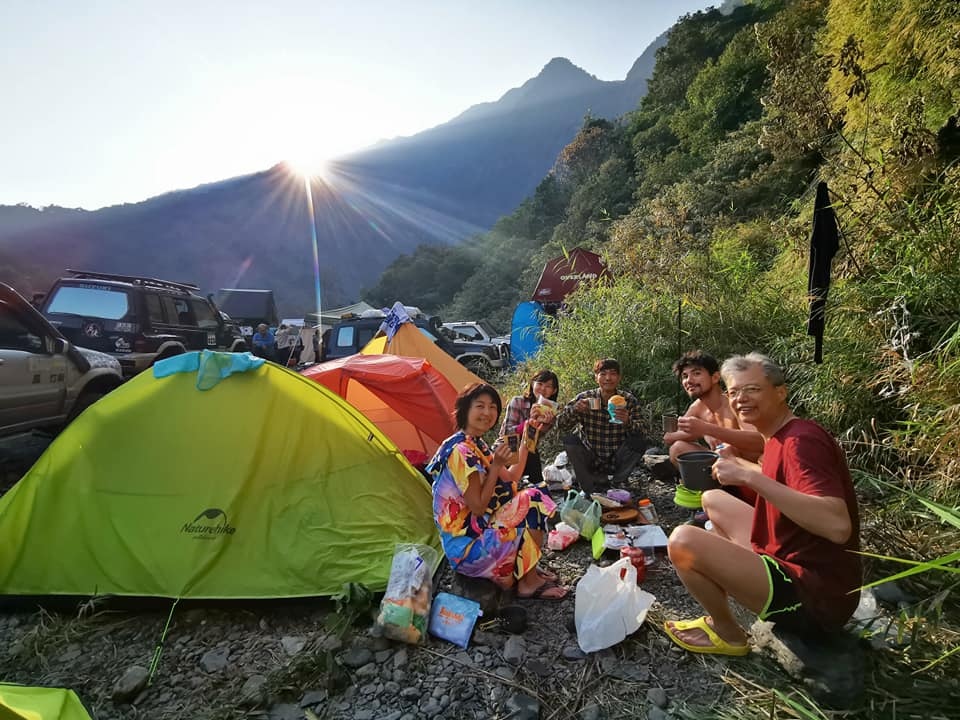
282, 660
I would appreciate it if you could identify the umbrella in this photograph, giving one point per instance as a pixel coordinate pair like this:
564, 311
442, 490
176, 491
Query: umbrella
824, 243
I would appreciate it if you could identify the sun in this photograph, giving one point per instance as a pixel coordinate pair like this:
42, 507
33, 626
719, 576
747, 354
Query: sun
310, 165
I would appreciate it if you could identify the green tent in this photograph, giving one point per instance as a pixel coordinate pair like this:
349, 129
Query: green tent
18, 702
266, 485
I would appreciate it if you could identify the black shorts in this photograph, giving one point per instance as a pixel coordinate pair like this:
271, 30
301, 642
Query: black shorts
783, 604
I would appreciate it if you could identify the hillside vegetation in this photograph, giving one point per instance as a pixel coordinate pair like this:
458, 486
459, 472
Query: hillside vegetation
701, 202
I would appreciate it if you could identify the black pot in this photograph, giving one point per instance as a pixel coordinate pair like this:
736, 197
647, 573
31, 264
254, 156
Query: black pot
695, 470
513, 618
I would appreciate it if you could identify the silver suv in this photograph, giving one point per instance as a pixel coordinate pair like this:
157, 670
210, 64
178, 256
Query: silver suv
44, 380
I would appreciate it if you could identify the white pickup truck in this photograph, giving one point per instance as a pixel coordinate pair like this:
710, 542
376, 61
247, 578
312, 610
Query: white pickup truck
45, 381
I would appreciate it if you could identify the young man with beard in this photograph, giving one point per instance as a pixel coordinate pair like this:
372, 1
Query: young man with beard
603, 447
792, 556
709, 416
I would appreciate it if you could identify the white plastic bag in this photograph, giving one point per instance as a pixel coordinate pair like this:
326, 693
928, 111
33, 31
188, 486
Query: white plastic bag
608, 607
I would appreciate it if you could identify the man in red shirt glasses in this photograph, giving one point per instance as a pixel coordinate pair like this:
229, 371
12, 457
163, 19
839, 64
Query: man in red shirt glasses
791, 556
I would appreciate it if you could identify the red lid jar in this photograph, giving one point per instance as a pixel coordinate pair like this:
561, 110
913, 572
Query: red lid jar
637, 560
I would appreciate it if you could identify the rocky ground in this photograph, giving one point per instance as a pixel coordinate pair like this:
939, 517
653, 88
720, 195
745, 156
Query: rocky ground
287, 661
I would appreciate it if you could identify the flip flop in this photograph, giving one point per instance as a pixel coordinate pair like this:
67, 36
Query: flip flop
718, 646
538, 594
547, 574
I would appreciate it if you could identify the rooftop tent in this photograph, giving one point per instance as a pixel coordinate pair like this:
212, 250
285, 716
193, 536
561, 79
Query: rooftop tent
410, 341
329, 318
407, 398
249, 306
562, 275
526, 330
19, 702
266, 485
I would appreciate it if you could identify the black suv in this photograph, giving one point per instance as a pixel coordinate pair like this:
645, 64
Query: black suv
138, 320
350, 335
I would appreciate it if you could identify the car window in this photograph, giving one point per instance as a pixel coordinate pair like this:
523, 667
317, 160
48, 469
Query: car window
365, 335
178, 311
468, 332
345, 336
14, 335
154, 308
206, 318
95, 301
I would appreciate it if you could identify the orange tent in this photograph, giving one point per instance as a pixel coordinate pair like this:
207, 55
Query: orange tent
407, 398
410, 341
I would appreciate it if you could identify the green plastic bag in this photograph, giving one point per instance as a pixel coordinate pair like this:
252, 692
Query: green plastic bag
582, 513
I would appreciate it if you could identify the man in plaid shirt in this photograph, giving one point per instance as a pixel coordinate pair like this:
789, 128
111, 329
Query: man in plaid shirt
602, 447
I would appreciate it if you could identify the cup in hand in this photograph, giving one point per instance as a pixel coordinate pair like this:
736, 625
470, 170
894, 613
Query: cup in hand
669, 423
594, 403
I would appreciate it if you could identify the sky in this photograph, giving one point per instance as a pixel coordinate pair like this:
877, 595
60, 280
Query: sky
116, 101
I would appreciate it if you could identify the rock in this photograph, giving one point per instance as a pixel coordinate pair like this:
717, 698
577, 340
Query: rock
368, 671
655, 713
833, 668
313, 697
285, 711
538, 667
395, 715
660, 466
481, 590
522, 707
382, 656
400, 658
483, 638
573, 652
331, 643
514, 649
215, 660
128, 685
589, 712
356, 657
657, 696
292, 645
889, 593
253, 693
363, 715
631, 671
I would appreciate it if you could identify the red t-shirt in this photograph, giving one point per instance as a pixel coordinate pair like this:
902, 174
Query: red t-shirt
803, 456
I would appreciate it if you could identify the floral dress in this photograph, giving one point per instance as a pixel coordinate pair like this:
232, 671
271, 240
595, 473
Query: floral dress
498, 543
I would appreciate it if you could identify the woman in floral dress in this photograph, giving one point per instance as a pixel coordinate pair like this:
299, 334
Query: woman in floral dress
488, 527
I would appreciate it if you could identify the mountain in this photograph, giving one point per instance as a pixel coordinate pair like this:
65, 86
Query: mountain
439, 186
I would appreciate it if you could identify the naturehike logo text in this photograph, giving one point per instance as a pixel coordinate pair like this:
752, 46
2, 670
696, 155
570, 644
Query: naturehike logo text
209, 524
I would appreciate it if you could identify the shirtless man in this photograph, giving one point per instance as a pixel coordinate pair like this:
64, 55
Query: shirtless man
709, 415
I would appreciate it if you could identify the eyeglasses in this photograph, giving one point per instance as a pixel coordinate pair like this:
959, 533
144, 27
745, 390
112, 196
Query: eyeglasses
745, 391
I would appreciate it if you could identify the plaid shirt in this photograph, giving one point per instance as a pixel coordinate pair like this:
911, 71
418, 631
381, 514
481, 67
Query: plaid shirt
517, 413
600, 435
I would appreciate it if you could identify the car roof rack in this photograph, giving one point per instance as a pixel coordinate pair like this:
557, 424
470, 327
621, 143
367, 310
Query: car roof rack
135, 280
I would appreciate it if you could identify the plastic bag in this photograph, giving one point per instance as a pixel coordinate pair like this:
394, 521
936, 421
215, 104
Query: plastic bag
453, 618
581, 512
562, 476
562, 536
609, 607
405, 608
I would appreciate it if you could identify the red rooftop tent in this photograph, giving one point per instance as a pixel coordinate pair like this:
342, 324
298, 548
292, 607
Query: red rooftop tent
563, 274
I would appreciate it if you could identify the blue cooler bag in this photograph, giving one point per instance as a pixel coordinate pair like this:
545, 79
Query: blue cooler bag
452, 618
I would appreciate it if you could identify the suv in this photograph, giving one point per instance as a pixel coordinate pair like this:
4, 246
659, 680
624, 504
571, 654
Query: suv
138, 320
350, 335
481, 332
44, 380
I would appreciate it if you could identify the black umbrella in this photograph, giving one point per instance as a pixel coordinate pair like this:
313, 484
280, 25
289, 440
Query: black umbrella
824, 243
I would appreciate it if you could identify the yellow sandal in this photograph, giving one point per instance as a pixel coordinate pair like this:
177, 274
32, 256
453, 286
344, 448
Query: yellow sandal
718, 646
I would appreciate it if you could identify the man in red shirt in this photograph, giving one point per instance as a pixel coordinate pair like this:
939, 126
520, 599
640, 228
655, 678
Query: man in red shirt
791, 557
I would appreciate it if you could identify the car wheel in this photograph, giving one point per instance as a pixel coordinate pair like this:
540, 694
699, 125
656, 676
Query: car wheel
479, 366
86, 399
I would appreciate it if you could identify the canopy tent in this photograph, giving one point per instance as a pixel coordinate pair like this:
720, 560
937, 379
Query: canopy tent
407, 398
410, 341
526, 333
562, 275
19, 702
328, 318
267, 485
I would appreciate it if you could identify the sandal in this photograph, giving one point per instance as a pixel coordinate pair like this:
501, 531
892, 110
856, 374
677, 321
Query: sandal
547, 574
538, 594
717, 646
